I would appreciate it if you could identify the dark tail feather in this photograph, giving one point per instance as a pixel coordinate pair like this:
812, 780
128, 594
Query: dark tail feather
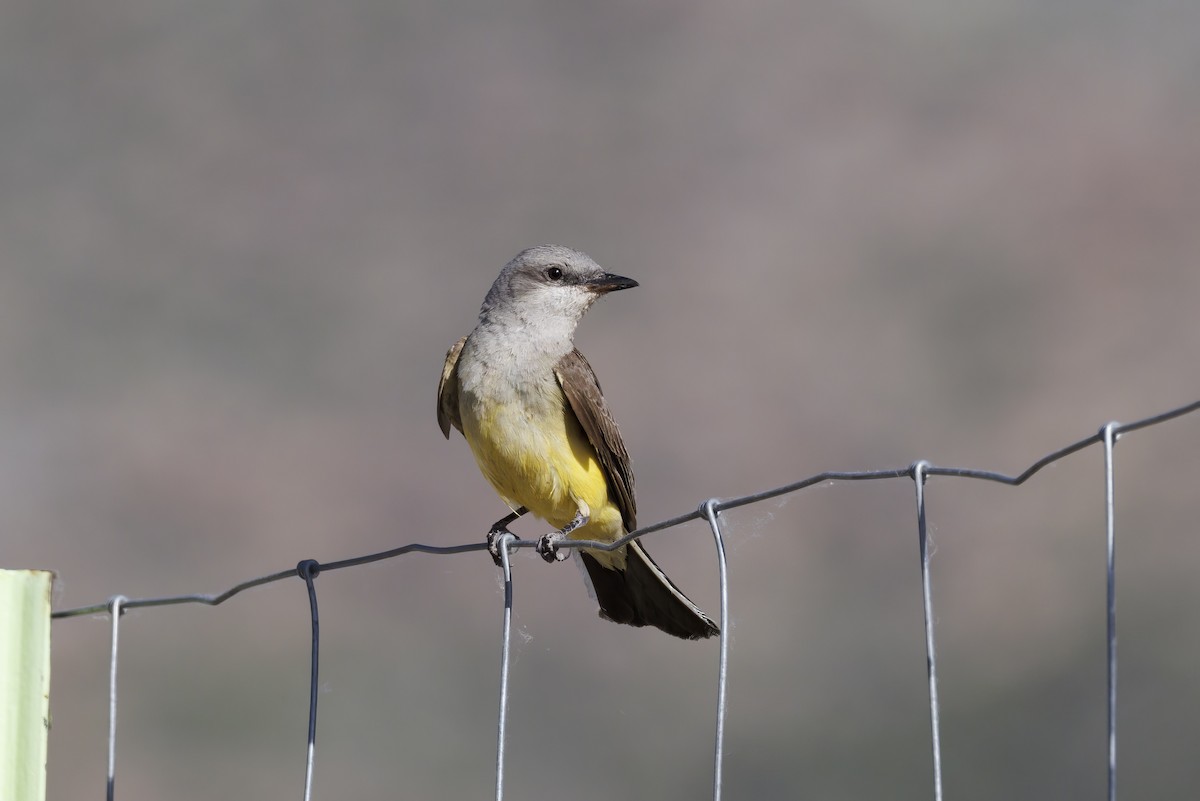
642, 595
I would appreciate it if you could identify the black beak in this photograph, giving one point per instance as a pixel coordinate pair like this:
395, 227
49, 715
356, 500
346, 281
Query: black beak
610, 283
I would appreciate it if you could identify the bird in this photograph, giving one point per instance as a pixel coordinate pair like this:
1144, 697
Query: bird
532, 412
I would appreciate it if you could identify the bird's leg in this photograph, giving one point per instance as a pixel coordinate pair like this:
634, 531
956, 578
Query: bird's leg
500, 527
547, 546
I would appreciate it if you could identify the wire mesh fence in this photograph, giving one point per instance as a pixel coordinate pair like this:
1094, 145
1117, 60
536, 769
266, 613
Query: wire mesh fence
709, 511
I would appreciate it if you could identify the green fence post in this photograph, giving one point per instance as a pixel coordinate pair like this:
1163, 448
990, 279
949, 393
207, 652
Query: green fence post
24, 683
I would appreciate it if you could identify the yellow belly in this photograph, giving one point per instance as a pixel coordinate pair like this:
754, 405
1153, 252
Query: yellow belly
544, 463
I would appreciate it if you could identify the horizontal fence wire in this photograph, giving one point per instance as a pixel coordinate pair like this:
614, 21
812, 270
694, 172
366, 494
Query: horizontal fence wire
308, 570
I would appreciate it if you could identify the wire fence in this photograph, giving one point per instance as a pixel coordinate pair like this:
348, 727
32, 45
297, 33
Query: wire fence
710, 510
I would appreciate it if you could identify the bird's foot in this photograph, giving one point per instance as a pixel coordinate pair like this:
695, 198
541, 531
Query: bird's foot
547, 546
499, 529
493, 543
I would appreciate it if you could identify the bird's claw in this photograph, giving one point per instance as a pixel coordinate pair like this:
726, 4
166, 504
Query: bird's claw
493, 543
547, 547
499, 529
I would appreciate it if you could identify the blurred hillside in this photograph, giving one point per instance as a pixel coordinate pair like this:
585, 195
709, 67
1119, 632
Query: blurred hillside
236, 239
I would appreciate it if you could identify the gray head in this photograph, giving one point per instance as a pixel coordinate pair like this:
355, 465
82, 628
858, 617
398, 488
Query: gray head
549, 284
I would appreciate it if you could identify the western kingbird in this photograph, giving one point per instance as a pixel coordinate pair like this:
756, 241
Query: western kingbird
530, 408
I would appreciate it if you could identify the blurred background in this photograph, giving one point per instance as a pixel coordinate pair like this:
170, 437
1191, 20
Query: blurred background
236, 239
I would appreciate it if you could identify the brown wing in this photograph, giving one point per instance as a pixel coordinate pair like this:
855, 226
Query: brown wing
579, 384
448, 391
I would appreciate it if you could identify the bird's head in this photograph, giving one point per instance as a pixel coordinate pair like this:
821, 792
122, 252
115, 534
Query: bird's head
550, 286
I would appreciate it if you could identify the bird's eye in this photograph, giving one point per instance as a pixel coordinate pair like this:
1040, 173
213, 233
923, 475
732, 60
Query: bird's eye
554, 273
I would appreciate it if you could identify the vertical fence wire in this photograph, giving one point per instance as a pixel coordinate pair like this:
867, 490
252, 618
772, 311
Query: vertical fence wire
935, 727
308, 570
503, 543
1110, 439
114, 611
709, 510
